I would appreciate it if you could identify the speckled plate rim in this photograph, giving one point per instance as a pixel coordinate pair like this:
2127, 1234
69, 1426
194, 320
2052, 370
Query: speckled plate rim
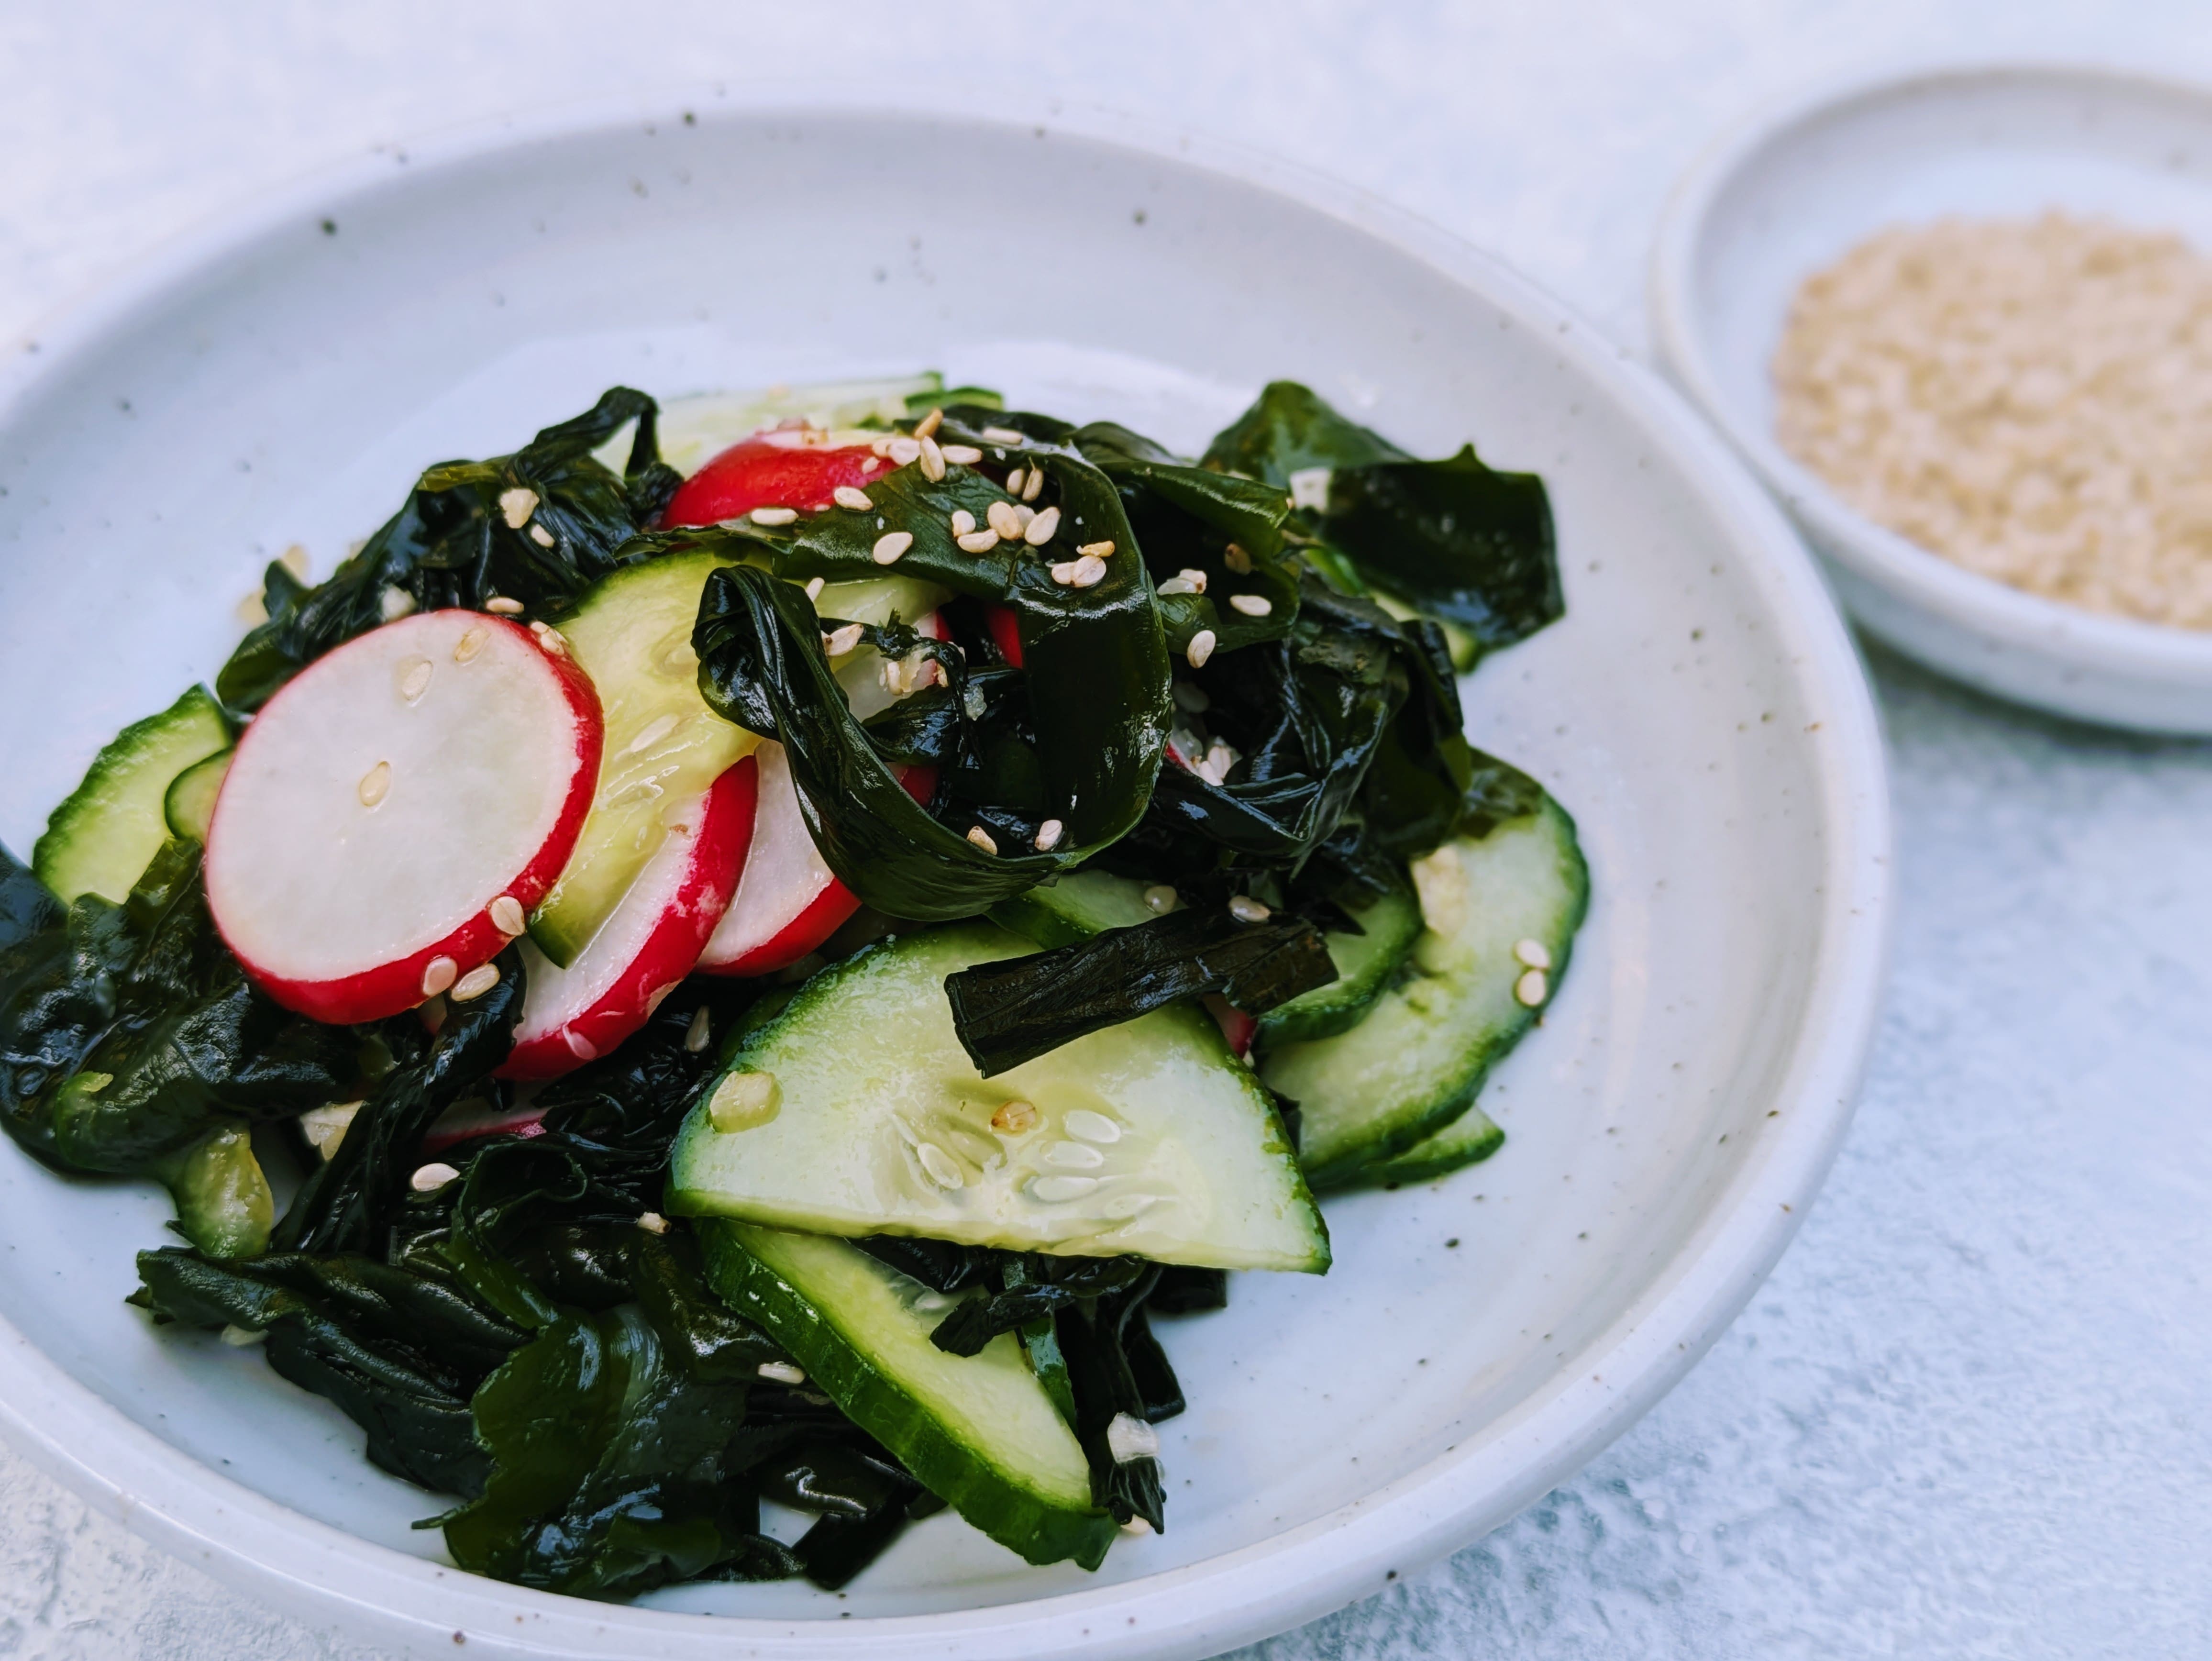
2115, 646
340, 1584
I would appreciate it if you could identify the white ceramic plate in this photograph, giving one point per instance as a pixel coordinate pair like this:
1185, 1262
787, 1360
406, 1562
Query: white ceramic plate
1699, 710
1793, 190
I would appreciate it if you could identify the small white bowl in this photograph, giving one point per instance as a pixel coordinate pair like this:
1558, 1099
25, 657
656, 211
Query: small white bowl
1792, 190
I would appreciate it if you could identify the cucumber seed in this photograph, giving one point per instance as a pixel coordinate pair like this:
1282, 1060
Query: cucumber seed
653, 731
1014, 1117
1532, 989
1533, 954
942, 1168
1092, 1127
744, 1101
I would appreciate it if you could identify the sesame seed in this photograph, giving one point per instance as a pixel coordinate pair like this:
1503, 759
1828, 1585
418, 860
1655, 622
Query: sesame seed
782, 1372
551, 639
1200, 649
324, 1128
375, 783
1532, 989
1531, 953
1014, 482
396, 603
1035, 485
773, 515
981, 838
979, 542
1193, 576
1014, 1117
1220, 758
891, 544
1245, 908
417, 680
438, 974
743, 1100
963, 521
1129, 1438
1064, 573
1252, 605
1137, 1526
1174, 586
846, 495
965, 455
1096, 549
1004, 520
870, 464
653, 1222
1089, 571
904, 451
1048, 834
580, 1046
932, 461
1042, 528
1002, 436
814, 588
506, 913
697, 1035
839, 642
517, 505
470, 642
477, 982
541, 536
882, 446
1159, 899
429, 1178
502, 605
1237, 560
1309, 489
929, 423
1025, 514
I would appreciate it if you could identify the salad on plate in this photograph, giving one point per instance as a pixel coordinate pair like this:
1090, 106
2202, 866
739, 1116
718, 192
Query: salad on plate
754, 954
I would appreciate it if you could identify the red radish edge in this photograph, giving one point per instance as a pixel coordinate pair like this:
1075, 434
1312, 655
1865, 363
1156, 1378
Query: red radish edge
459, 1125
1006, 626
390, 988
1236, 1026
629, 995
823, 916
769, 469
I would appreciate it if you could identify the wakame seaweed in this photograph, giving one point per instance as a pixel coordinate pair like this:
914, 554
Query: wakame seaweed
1015, 1009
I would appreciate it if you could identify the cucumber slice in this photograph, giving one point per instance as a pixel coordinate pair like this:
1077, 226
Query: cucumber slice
1076, 907
1364, 965
1417, 1060
224, 1205
1147, 1138
631, 633
1468, 1140
100, 840
695, 430
979, 1432
188, 804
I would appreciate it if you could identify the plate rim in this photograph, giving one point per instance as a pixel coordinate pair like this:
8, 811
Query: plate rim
284, 1559
2123, 646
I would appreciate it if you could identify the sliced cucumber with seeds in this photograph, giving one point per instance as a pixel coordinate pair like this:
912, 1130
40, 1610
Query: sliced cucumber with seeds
1405, 1072
1147, 1138
224, 1205
1078, 906
188, 804
100, 840
1365, 963
694, 430
1468, 1140
979, 1431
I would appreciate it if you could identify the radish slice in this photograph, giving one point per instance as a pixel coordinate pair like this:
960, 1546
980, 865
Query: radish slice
574, 1015
394, 810
788, 901
1238, 1027
1006, 626
790, 468
470, 1122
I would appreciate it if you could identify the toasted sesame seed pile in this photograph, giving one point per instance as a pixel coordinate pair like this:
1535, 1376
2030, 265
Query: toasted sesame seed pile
2031, 399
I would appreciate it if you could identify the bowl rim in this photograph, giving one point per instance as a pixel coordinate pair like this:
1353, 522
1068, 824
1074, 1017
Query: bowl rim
323, 1574
1967, 600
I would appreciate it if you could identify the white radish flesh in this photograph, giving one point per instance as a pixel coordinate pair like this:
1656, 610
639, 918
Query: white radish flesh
386, 798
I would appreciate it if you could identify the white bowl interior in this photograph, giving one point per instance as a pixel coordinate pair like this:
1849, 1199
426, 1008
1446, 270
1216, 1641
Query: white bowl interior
1688, 712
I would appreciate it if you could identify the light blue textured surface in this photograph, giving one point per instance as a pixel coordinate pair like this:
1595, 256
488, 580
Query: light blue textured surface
1969, 1415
